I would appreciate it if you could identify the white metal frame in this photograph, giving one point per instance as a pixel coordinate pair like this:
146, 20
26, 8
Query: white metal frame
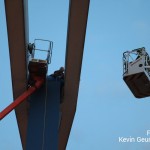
136, 61
49, 50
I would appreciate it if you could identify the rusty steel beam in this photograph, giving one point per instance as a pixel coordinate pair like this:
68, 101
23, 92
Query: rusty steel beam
77, 22
17, 28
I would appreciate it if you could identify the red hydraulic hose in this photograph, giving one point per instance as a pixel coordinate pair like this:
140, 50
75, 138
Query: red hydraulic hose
21, 98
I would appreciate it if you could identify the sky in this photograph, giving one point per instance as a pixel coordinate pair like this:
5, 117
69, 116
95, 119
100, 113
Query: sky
106, 108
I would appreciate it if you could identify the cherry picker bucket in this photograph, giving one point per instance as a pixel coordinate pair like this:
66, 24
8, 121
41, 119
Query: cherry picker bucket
136, 72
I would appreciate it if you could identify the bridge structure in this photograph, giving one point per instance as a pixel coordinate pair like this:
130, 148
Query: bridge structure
34, 122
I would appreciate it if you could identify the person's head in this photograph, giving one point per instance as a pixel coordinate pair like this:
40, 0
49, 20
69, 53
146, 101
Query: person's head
62, 69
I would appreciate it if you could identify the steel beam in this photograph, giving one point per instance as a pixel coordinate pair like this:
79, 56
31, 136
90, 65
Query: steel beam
42, 132
17, 27
77, 22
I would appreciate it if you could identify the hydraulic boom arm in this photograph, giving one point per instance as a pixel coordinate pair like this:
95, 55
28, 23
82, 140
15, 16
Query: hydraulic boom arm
22, 97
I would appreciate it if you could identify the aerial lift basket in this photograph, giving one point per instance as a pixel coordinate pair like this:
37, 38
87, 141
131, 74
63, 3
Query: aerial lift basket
39, 67
136, 72
37, 74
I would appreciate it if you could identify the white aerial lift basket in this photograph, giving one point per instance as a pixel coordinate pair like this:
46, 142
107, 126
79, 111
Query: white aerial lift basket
136, 72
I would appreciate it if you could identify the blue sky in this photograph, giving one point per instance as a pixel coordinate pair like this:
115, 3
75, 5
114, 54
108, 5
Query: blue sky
106, 107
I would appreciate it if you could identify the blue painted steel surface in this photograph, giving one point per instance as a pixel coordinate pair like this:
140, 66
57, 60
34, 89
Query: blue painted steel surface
42, 132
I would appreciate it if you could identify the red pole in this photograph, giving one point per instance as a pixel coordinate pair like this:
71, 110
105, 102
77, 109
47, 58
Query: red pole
21, 98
